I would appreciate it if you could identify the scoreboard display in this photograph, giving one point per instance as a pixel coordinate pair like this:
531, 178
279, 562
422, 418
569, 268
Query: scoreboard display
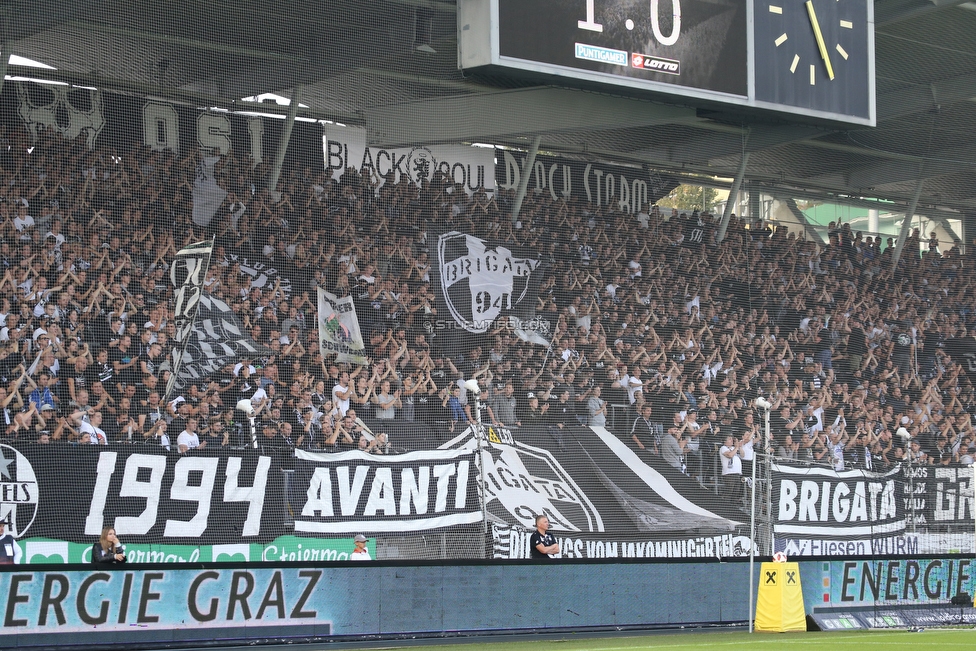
811, 58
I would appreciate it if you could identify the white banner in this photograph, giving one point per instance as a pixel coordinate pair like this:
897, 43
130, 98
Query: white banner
345, 147
339, 332
355, 492
810, 501
207, 195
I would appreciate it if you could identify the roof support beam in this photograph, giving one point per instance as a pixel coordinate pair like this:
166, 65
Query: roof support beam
800, 217
947, 161
279, 160
905, 225
733, 192
495, 115
706, 148
916, 99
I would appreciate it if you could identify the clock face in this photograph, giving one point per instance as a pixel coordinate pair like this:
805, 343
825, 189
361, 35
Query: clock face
814, 54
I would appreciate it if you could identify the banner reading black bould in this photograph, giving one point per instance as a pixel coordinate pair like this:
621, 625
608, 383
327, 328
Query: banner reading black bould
345, 147
819, 502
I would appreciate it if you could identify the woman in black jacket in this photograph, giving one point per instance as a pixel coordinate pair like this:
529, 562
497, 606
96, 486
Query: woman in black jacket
108, 550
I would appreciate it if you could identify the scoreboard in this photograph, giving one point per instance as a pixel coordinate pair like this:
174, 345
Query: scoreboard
803, 58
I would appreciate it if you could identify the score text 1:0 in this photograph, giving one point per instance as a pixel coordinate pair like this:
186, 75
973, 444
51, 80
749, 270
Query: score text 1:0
590, 23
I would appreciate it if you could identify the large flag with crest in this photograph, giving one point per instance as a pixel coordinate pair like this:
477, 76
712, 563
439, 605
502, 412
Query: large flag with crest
477, 281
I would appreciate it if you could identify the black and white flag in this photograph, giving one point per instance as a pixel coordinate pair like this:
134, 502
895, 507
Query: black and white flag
187, 273
817, 501
216, 339
477, 281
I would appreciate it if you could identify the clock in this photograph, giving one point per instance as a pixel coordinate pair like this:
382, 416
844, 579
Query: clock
816, 56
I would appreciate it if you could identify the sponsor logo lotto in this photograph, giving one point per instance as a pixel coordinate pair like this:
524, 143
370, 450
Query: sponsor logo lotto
655, 64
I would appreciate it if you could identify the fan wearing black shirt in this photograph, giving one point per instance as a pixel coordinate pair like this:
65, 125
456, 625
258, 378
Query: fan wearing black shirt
857, 346
542, 543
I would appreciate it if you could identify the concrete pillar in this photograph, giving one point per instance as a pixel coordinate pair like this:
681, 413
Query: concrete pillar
755, 205
873, 214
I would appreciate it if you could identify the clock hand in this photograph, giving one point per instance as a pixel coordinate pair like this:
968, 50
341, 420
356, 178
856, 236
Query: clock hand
820, 41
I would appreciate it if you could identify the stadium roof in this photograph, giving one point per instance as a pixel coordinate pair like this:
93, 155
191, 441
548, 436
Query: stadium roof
391, 65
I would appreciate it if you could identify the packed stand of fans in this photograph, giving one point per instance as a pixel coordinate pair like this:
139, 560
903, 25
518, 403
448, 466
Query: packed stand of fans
657, 332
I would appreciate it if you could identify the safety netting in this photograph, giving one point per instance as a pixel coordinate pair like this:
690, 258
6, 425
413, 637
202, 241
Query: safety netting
226, 348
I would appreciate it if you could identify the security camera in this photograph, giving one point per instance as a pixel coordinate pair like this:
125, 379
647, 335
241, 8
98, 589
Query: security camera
245, 405
762, 403
472, 386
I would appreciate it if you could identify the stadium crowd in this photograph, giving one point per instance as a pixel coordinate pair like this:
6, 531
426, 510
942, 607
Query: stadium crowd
647, 312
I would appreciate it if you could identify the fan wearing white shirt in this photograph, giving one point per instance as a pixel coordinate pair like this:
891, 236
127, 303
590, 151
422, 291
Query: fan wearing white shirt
92, 428
189, 439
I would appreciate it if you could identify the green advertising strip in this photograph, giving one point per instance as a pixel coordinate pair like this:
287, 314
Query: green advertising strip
283, 548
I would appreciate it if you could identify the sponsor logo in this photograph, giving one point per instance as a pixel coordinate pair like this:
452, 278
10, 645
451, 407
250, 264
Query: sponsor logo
601, 54
18, 491
655, 64
906, 544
